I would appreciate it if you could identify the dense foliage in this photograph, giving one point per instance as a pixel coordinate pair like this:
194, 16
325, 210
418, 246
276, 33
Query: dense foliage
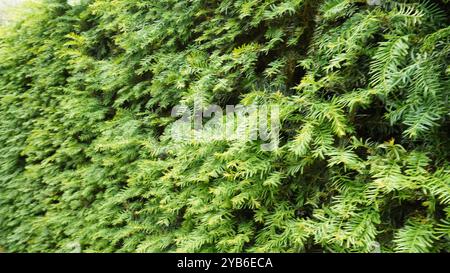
87, 163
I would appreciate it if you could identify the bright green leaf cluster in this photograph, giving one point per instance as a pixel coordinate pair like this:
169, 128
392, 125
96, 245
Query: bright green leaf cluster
87, 162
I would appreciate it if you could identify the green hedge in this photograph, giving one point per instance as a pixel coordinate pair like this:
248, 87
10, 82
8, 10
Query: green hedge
87, 161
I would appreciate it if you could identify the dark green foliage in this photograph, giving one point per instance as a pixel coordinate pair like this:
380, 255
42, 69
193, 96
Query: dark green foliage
86, 158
